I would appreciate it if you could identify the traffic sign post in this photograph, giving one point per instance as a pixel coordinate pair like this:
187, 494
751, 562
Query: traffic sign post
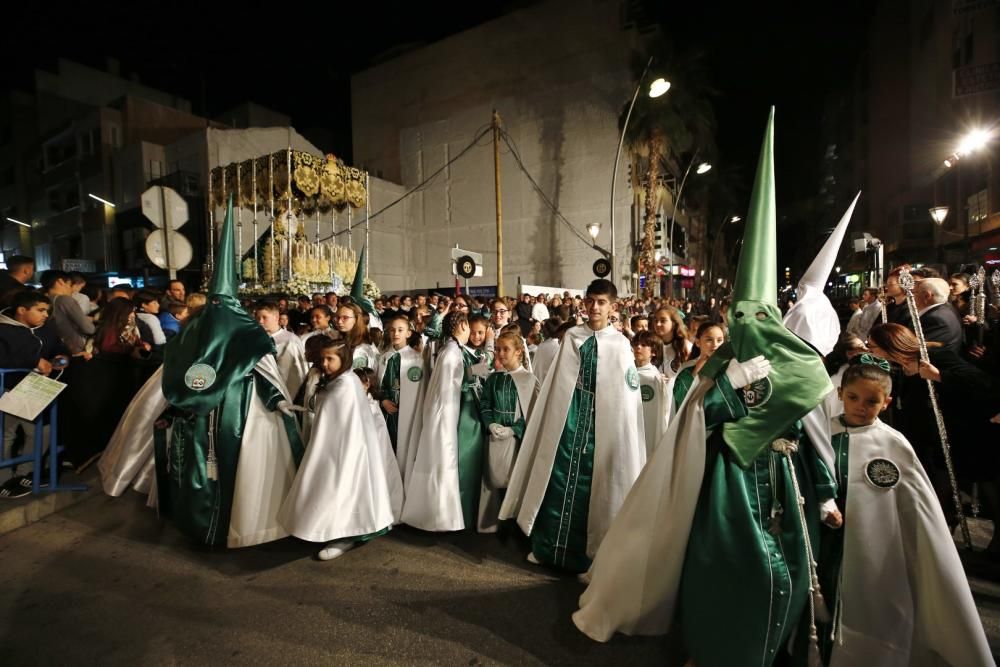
466, 264
168, 211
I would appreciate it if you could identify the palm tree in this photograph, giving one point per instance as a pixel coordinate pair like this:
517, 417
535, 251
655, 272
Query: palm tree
670, 125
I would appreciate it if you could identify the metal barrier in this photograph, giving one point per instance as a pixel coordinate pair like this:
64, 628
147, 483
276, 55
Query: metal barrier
38, 450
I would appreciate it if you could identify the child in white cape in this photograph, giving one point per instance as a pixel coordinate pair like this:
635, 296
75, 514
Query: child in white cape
892, 577
347, 490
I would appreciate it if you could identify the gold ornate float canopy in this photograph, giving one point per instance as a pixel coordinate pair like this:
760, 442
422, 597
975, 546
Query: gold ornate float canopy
318, 183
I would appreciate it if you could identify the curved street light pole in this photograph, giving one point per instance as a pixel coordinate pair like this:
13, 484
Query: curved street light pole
673, 216
614, 173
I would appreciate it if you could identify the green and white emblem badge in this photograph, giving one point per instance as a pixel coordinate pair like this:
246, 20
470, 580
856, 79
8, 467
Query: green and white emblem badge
882, 473
757, 393
414, 374
646, 392
360, 362
199, 377
632, 378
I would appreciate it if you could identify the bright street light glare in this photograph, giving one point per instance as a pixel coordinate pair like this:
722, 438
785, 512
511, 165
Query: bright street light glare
938, 214
18, 222
658, 87
103, 201
594, 229
735, 218
703, 168
974, 140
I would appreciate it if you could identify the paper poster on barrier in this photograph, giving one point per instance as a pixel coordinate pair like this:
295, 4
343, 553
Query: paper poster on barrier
31, 395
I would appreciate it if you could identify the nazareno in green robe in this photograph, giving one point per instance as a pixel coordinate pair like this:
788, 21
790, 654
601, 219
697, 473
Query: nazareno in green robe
745, 582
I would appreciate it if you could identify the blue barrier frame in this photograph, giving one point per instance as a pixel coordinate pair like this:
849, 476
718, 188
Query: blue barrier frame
37, 454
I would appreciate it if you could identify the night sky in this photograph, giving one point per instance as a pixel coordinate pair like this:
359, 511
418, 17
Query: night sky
788, 54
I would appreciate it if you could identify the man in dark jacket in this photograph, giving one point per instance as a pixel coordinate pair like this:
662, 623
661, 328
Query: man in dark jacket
19, 270
26, 342
938, 317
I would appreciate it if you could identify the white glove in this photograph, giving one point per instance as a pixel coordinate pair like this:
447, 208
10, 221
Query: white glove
499, 431
480, 370
289, 409
743, 373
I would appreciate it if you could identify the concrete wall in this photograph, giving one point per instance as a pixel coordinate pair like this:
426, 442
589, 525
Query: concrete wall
558, 79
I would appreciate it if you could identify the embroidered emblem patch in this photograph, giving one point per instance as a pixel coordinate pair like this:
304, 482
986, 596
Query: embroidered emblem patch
632, 379
414, 374
757, 393
360, 362
646, 392
882, 473
199, 377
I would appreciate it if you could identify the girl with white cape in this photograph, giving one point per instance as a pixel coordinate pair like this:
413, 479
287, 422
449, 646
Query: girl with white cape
403, 381
444, 484
347, 490
505, 406
892, 575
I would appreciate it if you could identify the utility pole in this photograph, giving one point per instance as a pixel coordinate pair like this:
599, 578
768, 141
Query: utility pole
496, 172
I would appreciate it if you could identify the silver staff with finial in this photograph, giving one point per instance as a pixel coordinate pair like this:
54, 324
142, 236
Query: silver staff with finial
981, 302
996, 288
976, 287
906, 283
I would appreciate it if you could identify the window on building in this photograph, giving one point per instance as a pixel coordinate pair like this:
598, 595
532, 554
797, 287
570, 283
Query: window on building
968, 47
116, 135
978, 209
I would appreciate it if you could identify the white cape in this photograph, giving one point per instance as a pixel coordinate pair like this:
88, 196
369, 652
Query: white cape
128, 458
432, 499
348, 483
657, 404
544, 356
411, 403
635, 577
904, 596
619, 449
291, 357
265, 471
489, 500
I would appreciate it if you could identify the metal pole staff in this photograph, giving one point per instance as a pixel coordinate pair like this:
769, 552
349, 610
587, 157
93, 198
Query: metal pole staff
368, 213
906, 282
288, 217
256, 236
211, 222
239, 220
270, 175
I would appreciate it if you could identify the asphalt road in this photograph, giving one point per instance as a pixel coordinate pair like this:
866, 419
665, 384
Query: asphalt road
105, 582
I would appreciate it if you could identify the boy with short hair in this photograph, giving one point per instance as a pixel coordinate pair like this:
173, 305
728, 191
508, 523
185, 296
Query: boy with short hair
585, 445
24, 343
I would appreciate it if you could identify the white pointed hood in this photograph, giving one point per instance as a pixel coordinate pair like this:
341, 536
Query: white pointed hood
813, 318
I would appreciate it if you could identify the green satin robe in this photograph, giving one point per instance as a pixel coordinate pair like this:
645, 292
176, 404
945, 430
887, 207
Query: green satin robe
830, 558
559, 536
498, 403
745, 582
196, 467
470, 443
390, 390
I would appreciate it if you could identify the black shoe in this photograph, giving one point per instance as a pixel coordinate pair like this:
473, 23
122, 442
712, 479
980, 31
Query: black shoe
15, 488
43, 481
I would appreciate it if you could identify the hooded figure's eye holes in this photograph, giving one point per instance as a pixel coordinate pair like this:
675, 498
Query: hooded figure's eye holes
739, 314
761, 315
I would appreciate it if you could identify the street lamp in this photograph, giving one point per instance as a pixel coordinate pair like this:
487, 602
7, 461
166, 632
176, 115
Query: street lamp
594, 229
104, 228
715, 245
702, 168
938, 214
18, 222
656, 89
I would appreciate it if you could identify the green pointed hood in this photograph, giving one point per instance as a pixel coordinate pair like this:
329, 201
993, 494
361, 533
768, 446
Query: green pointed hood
798, 380
358, 286
224, 279
220, 346
757, 271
